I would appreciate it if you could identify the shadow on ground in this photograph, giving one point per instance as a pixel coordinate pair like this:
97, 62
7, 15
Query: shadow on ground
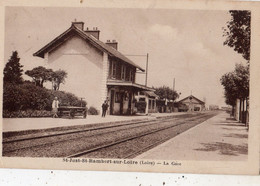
224, 148
237, 129
230, 119
230, 122
236, 135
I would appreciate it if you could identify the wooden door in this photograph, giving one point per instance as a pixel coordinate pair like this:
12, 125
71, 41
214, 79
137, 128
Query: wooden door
112, 100
121, 103
129, 104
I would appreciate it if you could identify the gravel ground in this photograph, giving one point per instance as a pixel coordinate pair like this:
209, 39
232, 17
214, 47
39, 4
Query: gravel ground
136, 146
64, 145
8, 147
60, 135
78, 142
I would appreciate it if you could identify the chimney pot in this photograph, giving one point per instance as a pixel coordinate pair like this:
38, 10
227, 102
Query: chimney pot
112, 43
79, 25
94, 32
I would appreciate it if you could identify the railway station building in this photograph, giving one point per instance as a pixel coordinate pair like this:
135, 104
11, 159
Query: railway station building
192, 103
97, 71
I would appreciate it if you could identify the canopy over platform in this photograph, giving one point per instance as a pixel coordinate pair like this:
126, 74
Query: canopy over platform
151, 94
113, 83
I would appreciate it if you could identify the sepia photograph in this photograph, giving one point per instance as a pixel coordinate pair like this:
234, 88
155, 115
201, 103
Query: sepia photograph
126, 86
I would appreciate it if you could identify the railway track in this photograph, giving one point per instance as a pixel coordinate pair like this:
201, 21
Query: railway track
9, 144
66, 136
133, 140
45, 133
90, 140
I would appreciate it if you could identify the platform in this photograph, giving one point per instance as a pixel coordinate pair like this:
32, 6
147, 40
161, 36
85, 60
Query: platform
218, 139
19, 124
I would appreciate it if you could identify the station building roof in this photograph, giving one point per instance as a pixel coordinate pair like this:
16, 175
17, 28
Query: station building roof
74, 30
191, 97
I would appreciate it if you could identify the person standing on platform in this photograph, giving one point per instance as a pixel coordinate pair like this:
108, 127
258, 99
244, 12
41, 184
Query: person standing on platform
104, 108
55, 106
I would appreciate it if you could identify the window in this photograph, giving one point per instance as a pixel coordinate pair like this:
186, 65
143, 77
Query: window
127, 76
113, 71
118, 70
123, 72
132, 75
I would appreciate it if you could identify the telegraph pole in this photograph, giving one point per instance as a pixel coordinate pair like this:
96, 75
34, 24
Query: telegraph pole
146, 74
173, 84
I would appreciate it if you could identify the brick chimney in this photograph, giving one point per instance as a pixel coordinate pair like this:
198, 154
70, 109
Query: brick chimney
79, 25
94, 32
112, 43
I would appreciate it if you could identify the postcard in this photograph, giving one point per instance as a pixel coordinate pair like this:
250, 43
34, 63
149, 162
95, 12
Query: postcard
151, 86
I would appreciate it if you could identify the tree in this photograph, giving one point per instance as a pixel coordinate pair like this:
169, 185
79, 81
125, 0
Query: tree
238, 32
13, 70
166, 93
231, 90
242, 76
40, 75
236, 84
58, 77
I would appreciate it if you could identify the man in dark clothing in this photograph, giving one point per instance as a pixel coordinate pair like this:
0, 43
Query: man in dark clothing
104, 108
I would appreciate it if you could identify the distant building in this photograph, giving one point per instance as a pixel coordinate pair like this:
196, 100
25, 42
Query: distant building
213, 107
191, 103
96, 70
228, 108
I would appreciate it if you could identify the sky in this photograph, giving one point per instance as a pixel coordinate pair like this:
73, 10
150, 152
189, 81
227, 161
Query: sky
183, 44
